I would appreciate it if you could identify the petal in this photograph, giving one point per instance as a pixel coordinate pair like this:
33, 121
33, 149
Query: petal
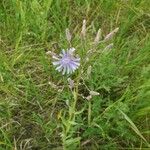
56, 63
64, 70
76, 63
68, 69
59, 68
55, 57
63, 52
73, 66
77, 59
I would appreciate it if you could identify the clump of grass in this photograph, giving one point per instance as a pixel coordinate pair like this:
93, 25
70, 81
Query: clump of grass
104, 104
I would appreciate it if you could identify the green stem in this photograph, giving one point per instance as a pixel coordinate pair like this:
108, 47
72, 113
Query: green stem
89, 113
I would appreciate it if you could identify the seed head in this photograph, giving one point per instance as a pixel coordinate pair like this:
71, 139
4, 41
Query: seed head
83, 32
68, 35
108, 47
89, 70
111, 34
98, 37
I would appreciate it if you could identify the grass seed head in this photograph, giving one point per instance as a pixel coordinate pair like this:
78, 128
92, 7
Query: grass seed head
98, 37
111, 34
68, 35
83, 31
89, 70
108, 47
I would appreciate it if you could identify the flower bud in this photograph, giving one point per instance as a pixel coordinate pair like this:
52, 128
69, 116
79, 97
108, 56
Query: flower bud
89, 97
71, 83
94, 93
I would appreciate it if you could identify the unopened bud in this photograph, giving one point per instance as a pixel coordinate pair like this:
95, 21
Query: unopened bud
94, 93
67, 102
71, 83
89, 97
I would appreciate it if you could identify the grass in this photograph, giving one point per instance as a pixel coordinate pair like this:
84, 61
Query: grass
38, 111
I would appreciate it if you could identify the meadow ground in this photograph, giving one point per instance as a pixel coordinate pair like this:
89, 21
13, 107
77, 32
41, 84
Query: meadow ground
39, 111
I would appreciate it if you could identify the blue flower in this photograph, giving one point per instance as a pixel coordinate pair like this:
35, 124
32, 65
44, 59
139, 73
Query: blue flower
66, 62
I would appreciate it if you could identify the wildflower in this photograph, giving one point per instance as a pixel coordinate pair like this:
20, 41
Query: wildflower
66, 61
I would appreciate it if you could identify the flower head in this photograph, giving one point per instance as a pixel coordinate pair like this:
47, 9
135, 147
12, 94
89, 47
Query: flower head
66, 62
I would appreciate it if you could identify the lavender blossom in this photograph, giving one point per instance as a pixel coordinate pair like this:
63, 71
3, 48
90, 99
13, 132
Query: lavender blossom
66, 62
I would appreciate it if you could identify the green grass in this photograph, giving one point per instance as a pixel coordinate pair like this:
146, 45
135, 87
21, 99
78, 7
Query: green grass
35, 115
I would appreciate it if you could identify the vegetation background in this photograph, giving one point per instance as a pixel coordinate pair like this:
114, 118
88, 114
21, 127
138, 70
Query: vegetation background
36, 114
